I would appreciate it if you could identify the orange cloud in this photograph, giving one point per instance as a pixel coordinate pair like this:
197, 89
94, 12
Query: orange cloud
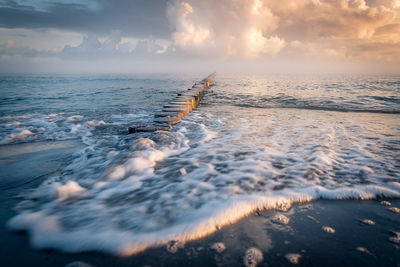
352, 29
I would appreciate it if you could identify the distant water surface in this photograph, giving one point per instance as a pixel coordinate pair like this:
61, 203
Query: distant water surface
254, 142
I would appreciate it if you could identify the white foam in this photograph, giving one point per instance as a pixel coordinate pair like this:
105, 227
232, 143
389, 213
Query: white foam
328, 229
11, 118
219, 247
145, 158
364, 250
40, 127
94, 123
394, 209
74, 118
173, 246
280, 219
193, 225
13, 124
183, 171
395, 237
69, 190
252, 257
293, 258
20, 136
367, 222
284, 206
50, 190
136, 195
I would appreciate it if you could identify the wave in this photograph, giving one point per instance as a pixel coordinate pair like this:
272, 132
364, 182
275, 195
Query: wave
123, 195
336, 109
36, 127
350, 94
46, 230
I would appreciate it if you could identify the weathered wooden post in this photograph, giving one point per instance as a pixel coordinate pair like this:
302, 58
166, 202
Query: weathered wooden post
174, 111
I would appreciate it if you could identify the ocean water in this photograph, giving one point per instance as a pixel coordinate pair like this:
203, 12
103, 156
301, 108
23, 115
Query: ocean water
255, 142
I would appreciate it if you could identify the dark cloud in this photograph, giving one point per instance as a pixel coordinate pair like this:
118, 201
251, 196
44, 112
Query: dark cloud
135, 18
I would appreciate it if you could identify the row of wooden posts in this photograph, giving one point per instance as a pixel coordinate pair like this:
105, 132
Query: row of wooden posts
174, 111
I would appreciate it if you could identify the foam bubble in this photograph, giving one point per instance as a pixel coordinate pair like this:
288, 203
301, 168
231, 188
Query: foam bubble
252, 257
219, 247
143, 144
395, 237
54, 190
367, 222
74, 118
293, 258
313, 219
385, 203
280, 219
284, 206
13, 124
364, 250
183, 171
394, 209
11, 118
20, 136
328, 229
69, 190
94, 123
173, 246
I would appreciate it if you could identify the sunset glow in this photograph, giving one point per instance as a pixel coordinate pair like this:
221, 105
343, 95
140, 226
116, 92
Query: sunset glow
290, 35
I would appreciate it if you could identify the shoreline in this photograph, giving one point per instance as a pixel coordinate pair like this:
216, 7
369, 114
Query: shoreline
296, 234
352, 243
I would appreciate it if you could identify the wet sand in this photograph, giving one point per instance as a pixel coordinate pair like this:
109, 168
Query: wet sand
297, 236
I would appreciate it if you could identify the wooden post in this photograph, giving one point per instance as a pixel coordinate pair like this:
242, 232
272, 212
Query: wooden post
174, 111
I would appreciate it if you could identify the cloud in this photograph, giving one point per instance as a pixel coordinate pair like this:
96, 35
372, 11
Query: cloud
239, 28
347, 27
257, 31
136, 18
187, 33
336, 18
11, 48
91, 48
257, 44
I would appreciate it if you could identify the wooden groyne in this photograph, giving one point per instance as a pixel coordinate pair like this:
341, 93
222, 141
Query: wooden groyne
174, 111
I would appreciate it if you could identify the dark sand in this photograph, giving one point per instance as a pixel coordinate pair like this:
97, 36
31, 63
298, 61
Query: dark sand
353, 243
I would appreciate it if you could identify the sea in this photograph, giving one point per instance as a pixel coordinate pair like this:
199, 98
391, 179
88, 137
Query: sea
256, 142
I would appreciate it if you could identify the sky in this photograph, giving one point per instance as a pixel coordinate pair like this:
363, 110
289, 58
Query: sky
67, 36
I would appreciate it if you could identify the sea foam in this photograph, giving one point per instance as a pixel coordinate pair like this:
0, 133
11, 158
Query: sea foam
124, 194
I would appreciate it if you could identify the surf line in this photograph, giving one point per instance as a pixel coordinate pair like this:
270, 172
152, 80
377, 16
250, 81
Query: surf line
174, 111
